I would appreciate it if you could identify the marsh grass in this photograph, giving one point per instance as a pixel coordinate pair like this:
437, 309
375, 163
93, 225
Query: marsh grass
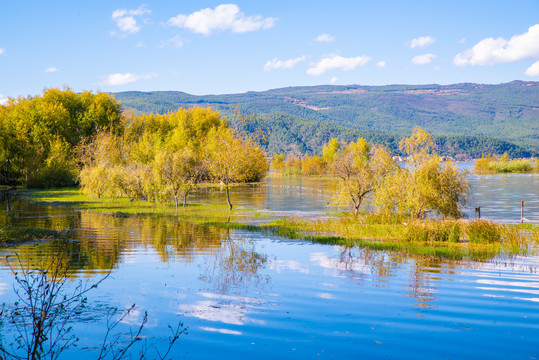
493, 165
483, 231
452, 239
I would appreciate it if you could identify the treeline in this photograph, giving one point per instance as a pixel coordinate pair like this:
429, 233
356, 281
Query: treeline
288, 134
165, 157
63, 138
38, 134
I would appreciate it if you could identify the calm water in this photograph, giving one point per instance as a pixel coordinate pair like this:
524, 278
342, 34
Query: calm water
246, 295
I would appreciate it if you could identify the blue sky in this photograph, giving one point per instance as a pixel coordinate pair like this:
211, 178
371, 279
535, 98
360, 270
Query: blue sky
215, 47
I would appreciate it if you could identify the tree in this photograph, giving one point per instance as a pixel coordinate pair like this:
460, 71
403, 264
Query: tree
330, 150
231, 159
360, 169
32, 129
426, 184
277, 162
98, 158
181, 171
312, 165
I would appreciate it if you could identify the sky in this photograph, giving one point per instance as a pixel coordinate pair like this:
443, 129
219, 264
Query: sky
218, 47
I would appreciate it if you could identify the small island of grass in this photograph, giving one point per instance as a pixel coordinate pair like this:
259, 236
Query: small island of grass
492, 164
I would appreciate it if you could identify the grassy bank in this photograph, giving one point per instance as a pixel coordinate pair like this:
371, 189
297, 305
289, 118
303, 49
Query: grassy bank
453, 239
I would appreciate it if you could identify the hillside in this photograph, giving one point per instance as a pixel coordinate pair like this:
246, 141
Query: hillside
466, 118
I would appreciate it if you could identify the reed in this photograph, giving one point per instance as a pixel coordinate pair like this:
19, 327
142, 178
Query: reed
483, 231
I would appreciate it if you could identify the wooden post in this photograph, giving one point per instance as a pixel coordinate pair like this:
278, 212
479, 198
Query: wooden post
478, 211
522, 212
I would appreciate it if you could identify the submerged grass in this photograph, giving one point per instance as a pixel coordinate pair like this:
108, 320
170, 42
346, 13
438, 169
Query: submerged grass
17, 234
452, 239
74, 198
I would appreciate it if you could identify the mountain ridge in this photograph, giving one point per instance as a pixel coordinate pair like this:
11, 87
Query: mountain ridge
507, 113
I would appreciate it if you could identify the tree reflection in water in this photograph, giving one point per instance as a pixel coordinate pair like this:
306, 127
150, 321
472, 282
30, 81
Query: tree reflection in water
360, 264
231, 263
235, 266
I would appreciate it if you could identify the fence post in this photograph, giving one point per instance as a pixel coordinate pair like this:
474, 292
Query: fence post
478, 211
522, 212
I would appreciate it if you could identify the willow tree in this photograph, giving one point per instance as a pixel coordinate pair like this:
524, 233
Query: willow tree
426, 184
181, 171
34, 129
231, 159
360, 169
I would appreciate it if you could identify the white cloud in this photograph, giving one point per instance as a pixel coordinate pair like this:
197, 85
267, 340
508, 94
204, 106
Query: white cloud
491, 51
51, 70
140, 44
533, 70
337, 62
128, 24
423, 59
324, 38
122, 79
462, 41
223, 17
380, 64
125, 19
2, 51
176, 41
282, 64
3, 101
421, 42
333, 80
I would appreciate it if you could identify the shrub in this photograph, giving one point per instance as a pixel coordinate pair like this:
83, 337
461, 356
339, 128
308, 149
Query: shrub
483, 231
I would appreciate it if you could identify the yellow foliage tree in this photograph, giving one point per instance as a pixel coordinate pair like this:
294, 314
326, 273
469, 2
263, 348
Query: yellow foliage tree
360, 169
231, 159
426, 184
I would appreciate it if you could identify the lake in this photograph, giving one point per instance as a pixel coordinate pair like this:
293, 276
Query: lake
250, 295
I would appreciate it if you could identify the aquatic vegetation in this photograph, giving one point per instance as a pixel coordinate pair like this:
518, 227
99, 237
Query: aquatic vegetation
491, 164
483, 231
454, 239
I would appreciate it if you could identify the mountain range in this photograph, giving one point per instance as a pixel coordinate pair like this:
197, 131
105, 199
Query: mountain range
467, 119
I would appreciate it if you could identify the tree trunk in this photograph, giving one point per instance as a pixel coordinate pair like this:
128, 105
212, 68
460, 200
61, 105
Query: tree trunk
228, 198
184, 199
356, 207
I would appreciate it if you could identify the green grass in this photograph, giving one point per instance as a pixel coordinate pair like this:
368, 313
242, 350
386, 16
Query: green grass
194, 213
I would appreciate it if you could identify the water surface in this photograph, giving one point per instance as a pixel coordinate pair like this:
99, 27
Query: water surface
250, 295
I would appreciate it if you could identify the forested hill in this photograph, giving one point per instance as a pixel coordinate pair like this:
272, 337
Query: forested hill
465, 118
